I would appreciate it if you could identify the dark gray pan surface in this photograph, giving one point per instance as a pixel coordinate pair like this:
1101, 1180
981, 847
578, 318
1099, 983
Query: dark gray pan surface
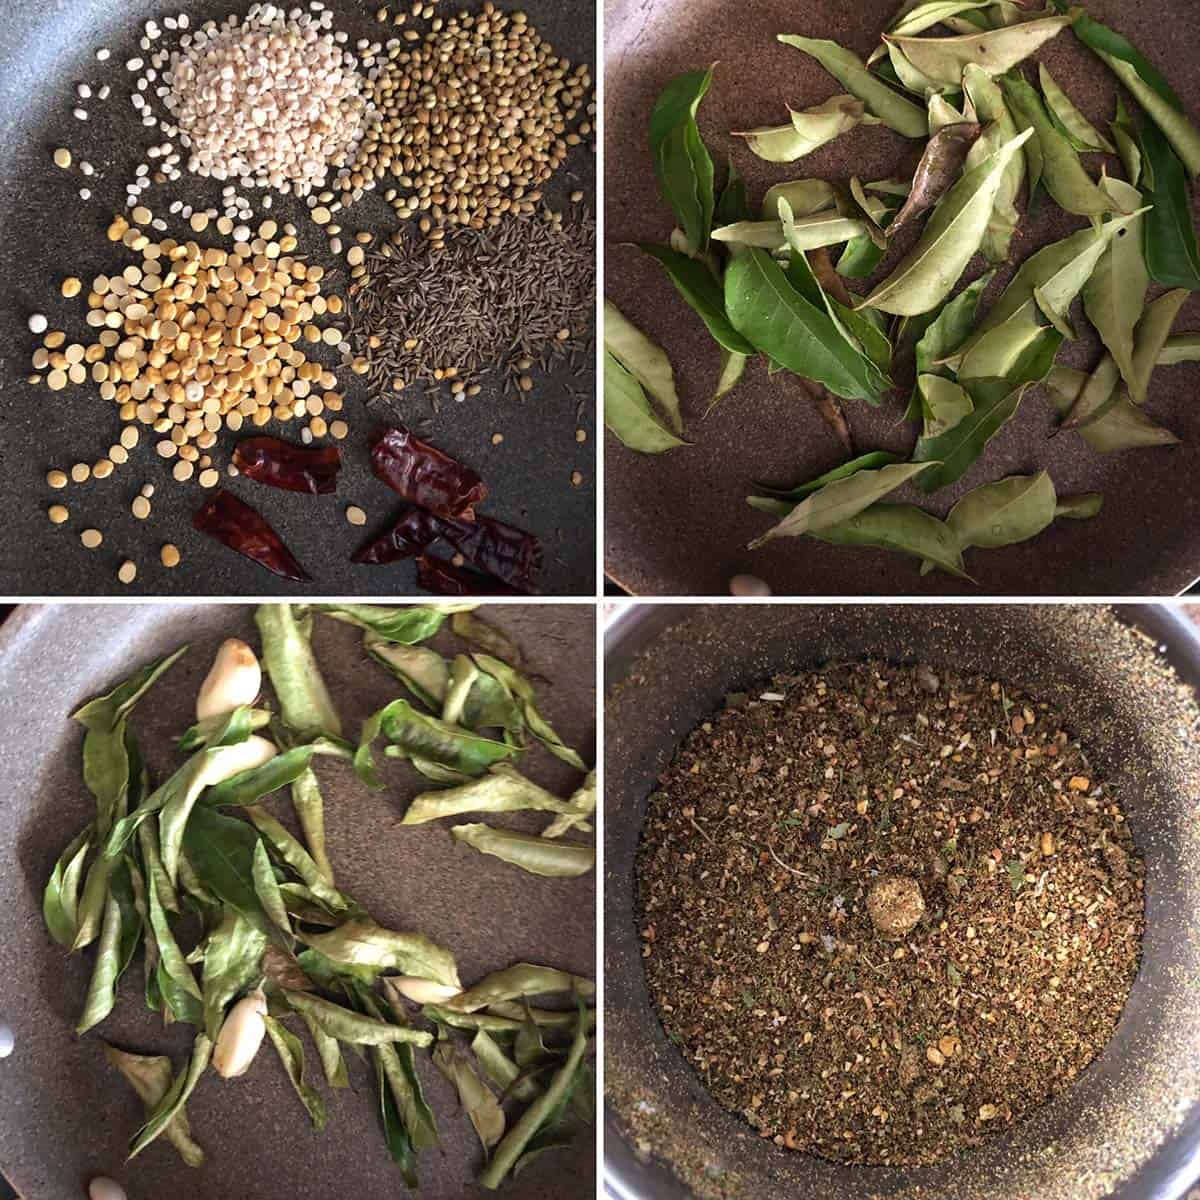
46, 232
678, 523
66, 1115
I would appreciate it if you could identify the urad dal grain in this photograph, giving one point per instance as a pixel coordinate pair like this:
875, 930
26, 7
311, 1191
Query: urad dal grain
271, 100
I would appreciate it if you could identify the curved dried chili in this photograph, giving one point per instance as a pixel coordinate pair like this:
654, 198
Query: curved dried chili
425, 475
503, 551
294, 468
443, 577
235, 524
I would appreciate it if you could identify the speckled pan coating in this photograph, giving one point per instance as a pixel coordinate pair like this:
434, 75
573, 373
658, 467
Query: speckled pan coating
1130, 1129
678, 523
67, 1116
46, 233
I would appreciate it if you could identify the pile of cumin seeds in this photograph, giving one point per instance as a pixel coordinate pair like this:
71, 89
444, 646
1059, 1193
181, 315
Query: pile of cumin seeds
471, 303
827, 1027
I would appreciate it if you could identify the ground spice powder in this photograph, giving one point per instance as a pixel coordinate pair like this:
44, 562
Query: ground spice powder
886, 913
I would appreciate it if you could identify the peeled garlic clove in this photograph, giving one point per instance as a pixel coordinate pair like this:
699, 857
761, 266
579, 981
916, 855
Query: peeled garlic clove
235, 679
422, 991
228, 761
105, 1189
241, 1035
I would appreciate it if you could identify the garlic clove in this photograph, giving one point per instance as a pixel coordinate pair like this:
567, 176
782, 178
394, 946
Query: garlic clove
102, 1188
241, 1035
234, 679
241, 756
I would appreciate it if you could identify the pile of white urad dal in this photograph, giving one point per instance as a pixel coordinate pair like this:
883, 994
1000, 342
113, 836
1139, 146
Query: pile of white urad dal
271, 100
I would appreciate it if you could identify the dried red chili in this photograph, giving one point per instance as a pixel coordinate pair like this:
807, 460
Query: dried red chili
235, 524
501, 550
408, 537
508, 553
425, 475
439, 575
294, 468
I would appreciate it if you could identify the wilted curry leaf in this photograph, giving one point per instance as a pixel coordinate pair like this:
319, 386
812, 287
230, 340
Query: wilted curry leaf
1172, 256
950, 238
945, 59
950, 328
864, 462
628, 413
682, 165
477, 1101
999, 514
810, 233
353, 1027
362, 943
845, 66
791, 331
1125, 135
1114, 295
1015, 323
804, 196
702, 292
168, 1109
1081, 133
944, 404
807, 130
292, 668
1182, 347
580, 806
539, 856
996, 401
60, 899
521, 688
504, 789
1063, 174
999, 127
839, 501
1150, 337
644, 360
150, 1076
1082, 507
903, 528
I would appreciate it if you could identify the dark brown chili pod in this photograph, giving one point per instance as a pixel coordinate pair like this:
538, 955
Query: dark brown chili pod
235, 524
425, 475
310, 469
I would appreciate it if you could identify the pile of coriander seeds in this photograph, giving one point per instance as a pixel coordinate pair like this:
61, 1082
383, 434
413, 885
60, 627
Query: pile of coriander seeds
469, 118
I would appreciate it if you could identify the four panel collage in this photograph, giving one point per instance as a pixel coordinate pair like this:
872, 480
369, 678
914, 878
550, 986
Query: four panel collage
605, 600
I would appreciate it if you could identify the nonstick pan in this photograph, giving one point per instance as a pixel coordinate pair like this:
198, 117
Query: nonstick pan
1130, 1126
67, 1116
677, 524
47, 233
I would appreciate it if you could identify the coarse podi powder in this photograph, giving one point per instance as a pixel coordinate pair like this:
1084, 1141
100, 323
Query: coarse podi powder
886, 913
